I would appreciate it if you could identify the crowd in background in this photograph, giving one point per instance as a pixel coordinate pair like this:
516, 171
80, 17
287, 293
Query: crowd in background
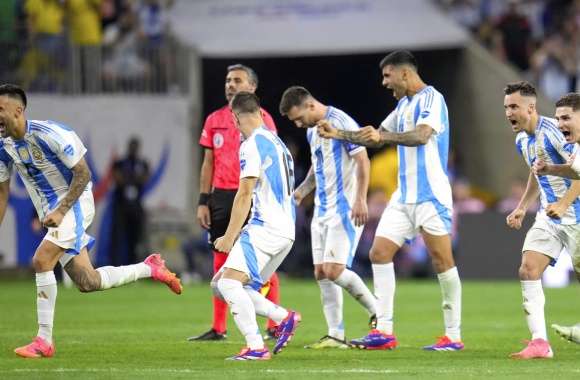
101, 44
541, 38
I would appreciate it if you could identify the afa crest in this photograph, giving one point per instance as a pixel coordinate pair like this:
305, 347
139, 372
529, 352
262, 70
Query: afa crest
36, 153
23, 153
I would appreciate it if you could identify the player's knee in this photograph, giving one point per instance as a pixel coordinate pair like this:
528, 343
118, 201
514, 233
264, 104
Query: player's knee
333, 272
319, 273
215, 289
529, 272
379, 256
89, 282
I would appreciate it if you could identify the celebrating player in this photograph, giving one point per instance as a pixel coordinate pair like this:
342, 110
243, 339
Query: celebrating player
340, 175
568, 117
556, 225
49, 157
422, 203
218, 184
256, 251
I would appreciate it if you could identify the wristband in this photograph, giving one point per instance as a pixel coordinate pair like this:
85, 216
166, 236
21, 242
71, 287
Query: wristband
203, 199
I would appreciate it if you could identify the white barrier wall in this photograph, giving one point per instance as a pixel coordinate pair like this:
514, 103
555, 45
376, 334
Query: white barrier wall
105, 124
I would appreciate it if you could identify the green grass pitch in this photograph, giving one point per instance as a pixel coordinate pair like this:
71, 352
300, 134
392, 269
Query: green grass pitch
139, 332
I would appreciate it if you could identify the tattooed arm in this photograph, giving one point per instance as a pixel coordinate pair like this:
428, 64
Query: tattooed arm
306, 187
81, 177
4, 193
374, 138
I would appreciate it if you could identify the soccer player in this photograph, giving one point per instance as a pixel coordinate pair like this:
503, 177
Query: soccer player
256, 250
340, 175
419, 125
49, 157
556, 225
568, 117
219, 181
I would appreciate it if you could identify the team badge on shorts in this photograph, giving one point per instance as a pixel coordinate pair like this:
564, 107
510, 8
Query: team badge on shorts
218, 140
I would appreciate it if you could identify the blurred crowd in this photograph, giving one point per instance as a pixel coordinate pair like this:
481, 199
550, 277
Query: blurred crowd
100, 43
539, 37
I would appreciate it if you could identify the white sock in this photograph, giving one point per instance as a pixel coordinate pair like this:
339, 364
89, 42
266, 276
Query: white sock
266, 308
352, 283
534, 301
46, 291
451, 294
111, 277
331, 296
243, 311
384, 281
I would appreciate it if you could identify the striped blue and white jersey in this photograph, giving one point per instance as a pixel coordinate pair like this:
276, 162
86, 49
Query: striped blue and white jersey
264, 156
549, 145
333, 166
44, 159
423, 168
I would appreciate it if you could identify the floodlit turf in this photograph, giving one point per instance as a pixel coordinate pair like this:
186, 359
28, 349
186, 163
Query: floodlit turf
140, 331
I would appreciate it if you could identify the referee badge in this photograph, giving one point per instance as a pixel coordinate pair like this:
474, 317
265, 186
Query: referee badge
218, 140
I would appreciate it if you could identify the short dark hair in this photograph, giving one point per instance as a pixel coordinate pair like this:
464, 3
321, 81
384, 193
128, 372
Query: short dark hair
252, 76
245, 102
523, 87
293, 97
14, 92
399, 58
570, 100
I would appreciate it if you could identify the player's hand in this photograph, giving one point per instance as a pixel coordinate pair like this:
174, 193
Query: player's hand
540, 167
223, 244
369, 134
297, 198
203, 216
53, 219
556, 210
360, 213
326, 130
571, 159
515, 219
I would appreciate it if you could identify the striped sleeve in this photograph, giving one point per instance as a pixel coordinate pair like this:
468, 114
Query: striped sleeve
431, 110
346, 123
390, 123
5, 164
65, 143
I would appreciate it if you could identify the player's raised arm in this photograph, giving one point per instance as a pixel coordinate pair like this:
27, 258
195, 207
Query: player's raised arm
306, 187
374, 138
4, 194
81, 177
558, 209
560, 170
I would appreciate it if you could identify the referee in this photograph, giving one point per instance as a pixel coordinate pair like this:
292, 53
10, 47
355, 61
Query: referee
219, 178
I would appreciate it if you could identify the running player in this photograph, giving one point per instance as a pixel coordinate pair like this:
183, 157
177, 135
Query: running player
422, 203
256, 250
49, 157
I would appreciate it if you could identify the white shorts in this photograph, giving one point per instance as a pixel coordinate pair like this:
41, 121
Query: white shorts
71, 233
334, 239
258, 253
401, 222
550, 238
